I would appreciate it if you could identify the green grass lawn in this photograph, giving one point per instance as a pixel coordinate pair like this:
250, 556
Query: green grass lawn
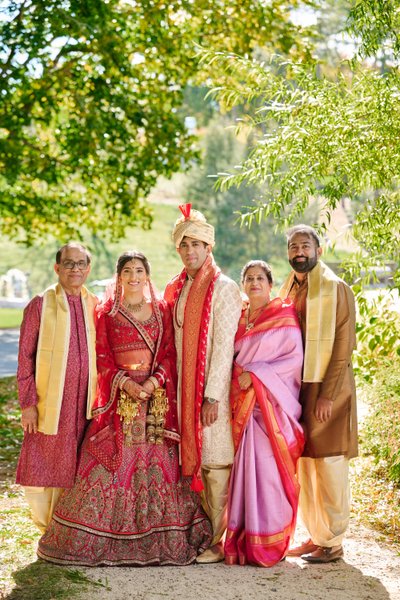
22, 575
156, 244
10, 318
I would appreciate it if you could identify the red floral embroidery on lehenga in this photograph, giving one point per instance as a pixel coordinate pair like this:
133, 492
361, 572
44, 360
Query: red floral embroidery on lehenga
141, 514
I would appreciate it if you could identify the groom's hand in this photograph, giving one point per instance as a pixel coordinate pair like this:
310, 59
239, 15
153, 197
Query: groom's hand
209, 412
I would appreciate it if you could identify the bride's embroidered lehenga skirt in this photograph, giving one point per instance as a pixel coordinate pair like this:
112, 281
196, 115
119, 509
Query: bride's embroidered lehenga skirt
139, 515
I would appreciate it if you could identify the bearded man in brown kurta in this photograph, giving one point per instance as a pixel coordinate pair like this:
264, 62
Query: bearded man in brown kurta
326, 309
56, 382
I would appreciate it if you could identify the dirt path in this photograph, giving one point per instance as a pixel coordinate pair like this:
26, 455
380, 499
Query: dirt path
369, 571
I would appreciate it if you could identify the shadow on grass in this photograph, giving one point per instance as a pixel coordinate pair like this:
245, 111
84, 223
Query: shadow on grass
42, 581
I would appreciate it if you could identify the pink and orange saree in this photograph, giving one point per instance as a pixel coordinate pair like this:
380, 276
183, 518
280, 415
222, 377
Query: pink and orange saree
268, 438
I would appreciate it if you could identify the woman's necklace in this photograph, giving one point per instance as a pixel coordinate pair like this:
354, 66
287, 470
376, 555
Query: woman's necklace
247, 316
135, 307
256, 311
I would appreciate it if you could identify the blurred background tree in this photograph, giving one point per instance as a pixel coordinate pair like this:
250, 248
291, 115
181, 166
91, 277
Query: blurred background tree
326, 127
90, 96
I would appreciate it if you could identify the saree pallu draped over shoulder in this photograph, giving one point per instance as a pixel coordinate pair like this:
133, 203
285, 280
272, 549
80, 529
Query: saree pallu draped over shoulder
268, 438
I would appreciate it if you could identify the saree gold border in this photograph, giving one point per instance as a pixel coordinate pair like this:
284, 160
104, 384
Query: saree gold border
281, 442
285, 456
265, 540
262, 540
269, 321
288, 321
245, 403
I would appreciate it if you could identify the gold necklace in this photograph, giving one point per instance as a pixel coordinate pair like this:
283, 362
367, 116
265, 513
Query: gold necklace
135, 307
250, 325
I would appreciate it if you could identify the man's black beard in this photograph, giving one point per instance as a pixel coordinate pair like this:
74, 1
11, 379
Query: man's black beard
303, 266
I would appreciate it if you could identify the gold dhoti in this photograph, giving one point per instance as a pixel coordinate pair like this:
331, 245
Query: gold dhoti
324, 498
42, 501
215, 497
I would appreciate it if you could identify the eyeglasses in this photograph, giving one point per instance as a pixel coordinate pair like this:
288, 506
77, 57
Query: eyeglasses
71, 264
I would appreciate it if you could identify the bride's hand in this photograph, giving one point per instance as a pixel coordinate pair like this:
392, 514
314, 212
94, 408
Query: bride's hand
136, 391
148, 386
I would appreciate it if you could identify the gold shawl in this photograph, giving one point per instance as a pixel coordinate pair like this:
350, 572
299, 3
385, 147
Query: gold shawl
52, 354
320, 319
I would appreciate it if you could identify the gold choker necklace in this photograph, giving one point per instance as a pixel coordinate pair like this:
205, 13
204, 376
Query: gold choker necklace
135, 307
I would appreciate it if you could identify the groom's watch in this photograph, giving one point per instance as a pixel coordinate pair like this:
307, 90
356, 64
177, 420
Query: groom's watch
211, 400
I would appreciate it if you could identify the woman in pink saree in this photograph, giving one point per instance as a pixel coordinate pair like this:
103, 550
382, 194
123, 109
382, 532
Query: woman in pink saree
267, 436
129, 505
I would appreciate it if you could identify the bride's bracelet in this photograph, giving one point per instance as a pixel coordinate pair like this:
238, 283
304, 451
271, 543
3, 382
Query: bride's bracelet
154, 381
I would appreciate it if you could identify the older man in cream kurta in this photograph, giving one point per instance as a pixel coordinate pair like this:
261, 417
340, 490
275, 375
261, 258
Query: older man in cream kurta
206, 308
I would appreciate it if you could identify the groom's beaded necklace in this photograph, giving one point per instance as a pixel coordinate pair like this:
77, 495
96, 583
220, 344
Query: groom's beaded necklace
179, 309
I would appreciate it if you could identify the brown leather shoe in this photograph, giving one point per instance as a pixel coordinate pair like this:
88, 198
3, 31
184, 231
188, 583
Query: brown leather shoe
214, 554
304, 548
324, 555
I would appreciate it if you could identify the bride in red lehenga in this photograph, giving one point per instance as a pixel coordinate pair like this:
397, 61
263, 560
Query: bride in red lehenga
129, 504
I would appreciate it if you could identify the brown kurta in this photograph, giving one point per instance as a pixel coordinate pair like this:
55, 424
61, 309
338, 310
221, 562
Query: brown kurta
338, 436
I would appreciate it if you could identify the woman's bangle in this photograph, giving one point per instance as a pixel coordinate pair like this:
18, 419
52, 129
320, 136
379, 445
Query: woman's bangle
122, 382
154, 381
